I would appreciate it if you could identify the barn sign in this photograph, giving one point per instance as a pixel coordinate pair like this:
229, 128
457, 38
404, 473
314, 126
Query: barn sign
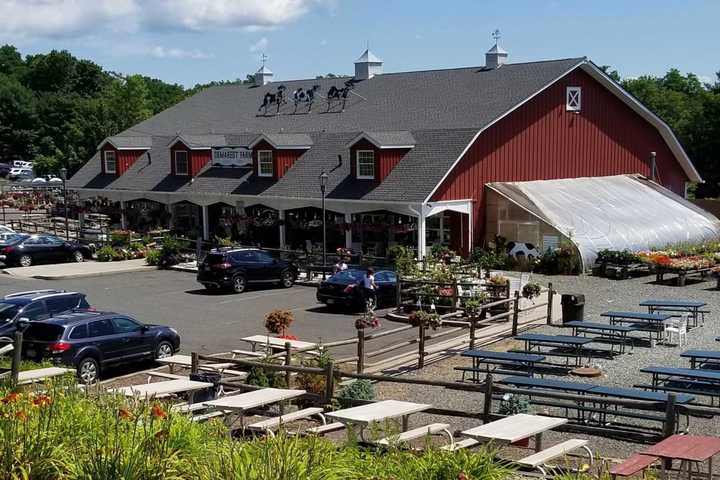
232, 157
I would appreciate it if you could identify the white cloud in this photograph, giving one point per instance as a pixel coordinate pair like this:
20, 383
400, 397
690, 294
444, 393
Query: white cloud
323, 42
77, 18
259, 46
162, 52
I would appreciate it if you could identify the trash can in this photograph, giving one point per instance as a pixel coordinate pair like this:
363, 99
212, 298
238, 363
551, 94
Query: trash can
206, 394
573, 307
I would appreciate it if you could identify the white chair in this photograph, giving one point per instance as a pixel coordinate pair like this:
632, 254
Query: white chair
676, 326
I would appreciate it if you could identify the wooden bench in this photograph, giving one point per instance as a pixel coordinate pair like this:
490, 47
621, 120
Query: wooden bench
419, 432
274, 423
540, 459
635, 464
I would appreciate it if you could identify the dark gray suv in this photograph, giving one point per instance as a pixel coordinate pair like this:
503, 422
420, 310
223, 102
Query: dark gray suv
37, 305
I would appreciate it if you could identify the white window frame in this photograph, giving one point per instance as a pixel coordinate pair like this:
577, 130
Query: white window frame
573, 99
114, 160
187, 162
268, 160
357, 165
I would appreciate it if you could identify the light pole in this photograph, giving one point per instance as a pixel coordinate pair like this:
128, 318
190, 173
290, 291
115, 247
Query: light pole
63, 175
323, 184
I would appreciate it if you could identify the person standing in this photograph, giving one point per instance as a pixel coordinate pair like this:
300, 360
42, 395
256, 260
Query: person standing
370, 287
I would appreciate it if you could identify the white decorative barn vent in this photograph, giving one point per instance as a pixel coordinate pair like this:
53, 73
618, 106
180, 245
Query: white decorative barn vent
368, 65
496, 56
263, 76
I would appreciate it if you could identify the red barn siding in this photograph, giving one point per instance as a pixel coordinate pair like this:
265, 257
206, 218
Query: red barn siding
198, 160
541, 141
282, 159
385, 159
125, 158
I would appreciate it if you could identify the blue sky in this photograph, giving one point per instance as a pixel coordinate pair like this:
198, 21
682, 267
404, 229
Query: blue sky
194, 41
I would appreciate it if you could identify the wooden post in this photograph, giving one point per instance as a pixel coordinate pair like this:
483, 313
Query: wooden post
329, 382
15, 365
473, 322
361, 351
551, 293
669, 424
194, 362
288, 361
487, 401
455, 294
516, 313
421, 345
398, 292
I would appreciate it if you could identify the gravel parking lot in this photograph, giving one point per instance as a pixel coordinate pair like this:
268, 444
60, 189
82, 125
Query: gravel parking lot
600, 295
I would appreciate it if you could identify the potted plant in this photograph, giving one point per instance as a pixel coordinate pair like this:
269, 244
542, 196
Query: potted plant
278, 321
531, 290
421, 317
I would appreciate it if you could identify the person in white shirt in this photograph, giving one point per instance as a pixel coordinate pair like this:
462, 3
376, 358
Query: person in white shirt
369, 286
340, 266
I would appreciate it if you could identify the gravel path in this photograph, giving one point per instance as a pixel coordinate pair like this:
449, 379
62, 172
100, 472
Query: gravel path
600, 295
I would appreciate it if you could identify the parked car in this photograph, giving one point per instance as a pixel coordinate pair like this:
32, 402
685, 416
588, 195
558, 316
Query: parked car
22, 164
36, 305
6, 232
91, 341
236, 268
4, 169
344, 289
25, 250
20, 173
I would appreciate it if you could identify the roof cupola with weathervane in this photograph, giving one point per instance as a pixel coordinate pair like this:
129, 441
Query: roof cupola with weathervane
368, 65
264, 75
496, 56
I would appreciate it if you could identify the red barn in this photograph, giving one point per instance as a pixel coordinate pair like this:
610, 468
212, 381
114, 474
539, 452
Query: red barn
409, 156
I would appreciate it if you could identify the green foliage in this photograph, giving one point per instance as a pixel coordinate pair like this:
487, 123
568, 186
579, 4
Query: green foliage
422, 317
358, 390
152, 256
616, 257
563, 260
404, 259
105, 254
531, 290
513, 404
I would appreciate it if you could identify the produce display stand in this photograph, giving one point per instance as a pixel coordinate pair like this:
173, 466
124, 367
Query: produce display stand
681, 274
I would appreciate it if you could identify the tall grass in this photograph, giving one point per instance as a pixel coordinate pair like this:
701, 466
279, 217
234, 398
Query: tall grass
66, 433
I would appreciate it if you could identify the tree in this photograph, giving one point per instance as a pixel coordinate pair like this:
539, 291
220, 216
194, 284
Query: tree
11, 62
129, 101
163, 95
18, 120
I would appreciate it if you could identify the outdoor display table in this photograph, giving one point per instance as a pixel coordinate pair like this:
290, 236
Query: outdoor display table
276, 343
682, 306
376, 412
523, 361
257, 398
163, 389
699, 358
686, 448
605, 331
515, 428
574, 345
654, 321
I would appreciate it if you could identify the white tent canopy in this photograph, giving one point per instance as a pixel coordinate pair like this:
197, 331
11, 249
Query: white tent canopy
618, 213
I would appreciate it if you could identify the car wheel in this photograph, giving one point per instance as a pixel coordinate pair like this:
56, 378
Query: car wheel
88, 370
78, 256
25, 261
164, 349
287, 279
239, 284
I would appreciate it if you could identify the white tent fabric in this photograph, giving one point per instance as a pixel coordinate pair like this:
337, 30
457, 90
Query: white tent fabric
619, 212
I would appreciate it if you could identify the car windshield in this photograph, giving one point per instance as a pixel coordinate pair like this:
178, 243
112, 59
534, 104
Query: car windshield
348, 276
8, 311
43, 332
15, 238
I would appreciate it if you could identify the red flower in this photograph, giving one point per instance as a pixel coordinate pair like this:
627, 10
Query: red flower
10, 398
158, 412
42, 401
124, 413
288, 337
20, 415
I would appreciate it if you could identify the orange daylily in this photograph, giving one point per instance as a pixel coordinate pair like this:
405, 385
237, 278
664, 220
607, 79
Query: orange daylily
158, 412
10, 398
20, 415
42, 401
124, 413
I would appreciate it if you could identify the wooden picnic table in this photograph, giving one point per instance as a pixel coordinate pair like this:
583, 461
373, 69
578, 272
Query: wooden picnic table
376, 412
515, 428
698, 358
254, 399
573, 344
525, 361
276, 343
654, 321
605, 331
163, 389
690, 306
686, 448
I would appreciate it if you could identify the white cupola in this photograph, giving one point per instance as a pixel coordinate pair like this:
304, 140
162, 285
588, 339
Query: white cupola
263, 76
496, 56
367, 66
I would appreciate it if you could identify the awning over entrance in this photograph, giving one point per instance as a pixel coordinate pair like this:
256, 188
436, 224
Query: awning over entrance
619, 212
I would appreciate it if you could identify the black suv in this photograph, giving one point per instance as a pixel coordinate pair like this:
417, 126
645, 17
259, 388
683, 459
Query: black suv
36, 305
90, 341
235, 268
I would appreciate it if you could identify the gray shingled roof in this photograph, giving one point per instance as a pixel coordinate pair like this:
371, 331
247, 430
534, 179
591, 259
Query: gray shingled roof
128, 141
439, 111
286, 140
201, 141
390, 139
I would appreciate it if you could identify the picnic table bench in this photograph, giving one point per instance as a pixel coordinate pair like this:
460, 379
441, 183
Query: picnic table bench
373, 413
243, 402
163, 389
565, 345
700, 358
653, 323
185, 361
516, 363
693, 307
684, 380
38, 375
275, 343
605, 331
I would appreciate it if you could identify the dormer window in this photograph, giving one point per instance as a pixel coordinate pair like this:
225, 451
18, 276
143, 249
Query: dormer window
365, 164
573, 99
110, 161
265, 163
181, 162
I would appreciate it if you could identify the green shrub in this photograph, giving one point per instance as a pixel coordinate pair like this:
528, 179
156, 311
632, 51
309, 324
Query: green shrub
152, 256
404, 259
106, 254
358, 390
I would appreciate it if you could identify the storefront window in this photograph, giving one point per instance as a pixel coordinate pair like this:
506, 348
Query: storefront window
365, 164
265, 163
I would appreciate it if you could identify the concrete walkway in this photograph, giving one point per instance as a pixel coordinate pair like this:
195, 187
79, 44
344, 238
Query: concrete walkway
62, 271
